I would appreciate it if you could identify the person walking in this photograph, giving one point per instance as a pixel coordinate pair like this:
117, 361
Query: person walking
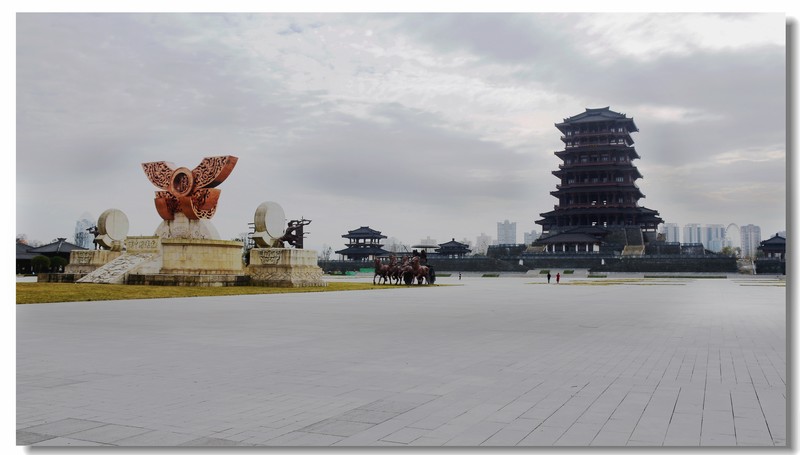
548, 277
558, 277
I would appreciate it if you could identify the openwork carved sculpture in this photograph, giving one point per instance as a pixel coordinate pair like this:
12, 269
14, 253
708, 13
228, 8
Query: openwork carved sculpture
191, 192
294, 234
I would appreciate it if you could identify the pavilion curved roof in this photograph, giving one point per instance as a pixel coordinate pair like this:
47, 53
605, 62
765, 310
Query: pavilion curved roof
362, 251
364, 232
59, 246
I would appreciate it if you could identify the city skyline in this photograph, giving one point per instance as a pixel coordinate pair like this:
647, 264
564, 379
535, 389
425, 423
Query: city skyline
415, 125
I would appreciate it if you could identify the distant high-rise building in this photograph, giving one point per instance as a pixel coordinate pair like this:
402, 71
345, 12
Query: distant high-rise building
672, 232
395, 245
693, 233
506, 233
714, 237
482, 244
428, 241
530, 237
751, 239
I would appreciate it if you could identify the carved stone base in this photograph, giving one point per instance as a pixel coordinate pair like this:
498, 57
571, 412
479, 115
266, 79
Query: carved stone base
87, 261
284, 267
184, 228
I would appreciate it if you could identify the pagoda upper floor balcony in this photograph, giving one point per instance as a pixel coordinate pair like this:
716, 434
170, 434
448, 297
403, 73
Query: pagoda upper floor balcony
597, 152
590, 184
571, 144
624, 163
596, 205
599, 134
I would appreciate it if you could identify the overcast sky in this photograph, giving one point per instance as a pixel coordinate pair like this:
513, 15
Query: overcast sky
416, 125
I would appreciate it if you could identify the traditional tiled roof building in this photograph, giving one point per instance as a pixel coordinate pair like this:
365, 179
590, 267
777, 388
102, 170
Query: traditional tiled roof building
774, 247
364, 243
60, 247
453, 249
598, 199
773, 256
597, 177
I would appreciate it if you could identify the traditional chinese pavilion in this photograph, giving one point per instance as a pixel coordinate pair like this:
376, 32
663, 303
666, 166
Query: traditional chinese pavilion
364, 243
774, 248
453, 249
597, 183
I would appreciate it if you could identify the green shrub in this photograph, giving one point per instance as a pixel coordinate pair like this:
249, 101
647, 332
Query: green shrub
40, 264
568, 272
491, 275
57, 264
544, 272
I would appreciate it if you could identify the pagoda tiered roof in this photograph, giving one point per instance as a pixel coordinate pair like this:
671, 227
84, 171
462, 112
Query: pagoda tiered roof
596, 115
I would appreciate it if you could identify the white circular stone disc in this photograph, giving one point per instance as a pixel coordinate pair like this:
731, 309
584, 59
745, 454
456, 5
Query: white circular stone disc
270, 218
114, 224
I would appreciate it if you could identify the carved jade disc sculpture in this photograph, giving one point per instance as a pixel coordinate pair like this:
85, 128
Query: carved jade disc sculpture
191, 192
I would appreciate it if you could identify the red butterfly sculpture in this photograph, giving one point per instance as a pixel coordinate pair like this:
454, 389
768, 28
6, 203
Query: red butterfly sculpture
191, 192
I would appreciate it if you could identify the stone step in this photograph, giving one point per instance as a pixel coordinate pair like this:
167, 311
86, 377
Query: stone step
114, 272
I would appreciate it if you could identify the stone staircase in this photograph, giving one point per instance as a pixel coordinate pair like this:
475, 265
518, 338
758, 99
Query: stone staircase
633, 250
115, 271
633, 236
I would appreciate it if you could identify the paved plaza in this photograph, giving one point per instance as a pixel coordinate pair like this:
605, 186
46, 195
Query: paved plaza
484, 362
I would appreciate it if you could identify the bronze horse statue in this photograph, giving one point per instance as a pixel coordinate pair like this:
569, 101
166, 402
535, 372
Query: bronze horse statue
420, 272
381, 270
395, 270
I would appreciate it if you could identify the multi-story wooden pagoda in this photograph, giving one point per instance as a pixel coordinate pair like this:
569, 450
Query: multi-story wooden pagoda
597, 185
364, 243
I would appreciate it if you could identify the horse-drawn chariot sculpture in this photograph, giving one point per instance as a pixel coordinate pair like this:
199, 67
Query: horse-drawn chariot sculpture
408, 271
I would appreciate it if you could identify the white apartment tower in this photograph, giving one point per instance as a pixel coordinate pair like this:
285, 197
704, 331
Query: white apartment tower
506, 233
751, 239
530, 237
692, 233
672, 232
714, 237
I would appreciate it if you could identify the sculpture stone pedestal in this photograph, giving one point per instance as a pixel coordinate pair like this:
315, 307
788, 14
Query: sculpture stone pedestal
87, 261
201, 257
284, 267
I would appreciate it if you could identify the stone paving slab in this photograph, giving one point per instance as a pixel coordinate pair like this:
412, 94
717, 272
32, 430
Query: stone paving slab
485, 362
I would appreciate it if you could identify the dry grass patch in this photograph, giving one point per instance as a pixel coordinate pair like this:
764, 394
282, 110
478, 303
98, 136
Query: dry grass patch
84, 292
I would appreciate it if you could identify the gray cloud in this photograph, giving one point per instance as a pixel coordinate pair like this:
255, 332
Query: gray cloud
409, 122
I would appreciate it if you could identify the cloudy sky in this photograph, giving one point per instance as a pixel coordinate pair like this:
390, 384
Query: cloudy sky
416, 125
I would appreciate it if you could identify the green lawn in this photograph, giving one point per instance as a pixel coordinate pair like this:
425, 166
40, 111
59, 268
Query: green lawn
82, 292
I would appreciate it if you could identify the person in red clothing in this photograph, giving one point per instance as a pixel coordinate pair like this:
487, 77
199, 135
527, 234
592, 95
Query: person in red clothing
558, 277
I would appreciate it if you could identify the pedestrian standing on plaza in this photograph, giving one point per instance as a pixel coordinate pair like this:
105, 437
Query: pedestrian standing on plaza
548, 277
558, 277
459, 276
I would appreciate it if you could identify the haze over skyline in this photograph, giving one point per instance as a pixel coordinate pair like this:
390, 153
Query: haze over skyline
416, 125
